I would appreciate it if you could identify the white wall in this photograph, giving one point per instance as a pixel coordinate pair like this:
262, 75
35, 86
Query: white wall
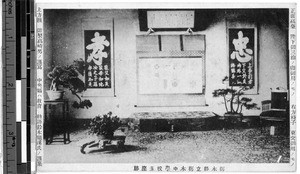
67, 46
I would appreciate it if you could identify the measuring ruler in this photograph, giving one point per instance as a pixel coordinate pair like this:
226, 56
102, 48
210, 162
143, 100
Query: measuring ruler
17, 24
9, 87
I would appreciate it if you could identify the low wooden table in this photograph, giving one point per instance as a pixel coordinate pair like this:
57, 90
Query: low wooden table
176, 121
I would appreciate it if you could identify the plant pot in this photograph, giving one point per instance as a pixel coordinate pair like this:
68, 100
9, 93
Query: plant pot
234, 119
104, 137
101, 137
119, 135
103, 141
55, 95
237, 115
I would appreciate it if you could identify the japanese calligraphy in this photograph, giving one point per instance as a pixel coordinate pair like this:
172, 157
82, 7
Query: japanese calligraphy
241, 57
99, 42
178, 168
241, 53
39, 86
98, 57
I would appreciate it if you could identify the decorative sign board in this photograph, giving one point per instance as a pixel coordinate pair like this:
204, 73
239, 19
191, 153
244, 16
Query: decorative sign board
98, 57
241, 57
171, 19
170, 75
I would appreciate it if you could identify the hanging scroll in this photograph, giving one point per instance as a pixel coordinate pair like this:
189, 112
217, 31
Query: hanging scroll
241, 57
97, 44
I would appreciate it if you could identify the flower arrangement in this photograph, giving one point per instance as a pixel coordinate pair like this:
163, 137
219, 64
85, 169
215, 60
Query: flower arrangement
104, 125
68, 77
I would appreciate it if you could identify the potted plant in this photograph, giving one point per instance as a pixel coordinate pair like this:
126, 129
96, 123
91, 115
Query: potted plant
55, 75
234, 101
68, 77
104, 126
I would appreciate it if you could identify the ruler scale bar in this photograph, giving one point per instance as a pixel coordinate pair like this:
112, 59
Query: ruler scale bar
24, 142
14, 51
9, 136
23, 17
18, 44
18, 101
21, 56
17, 50
18, 145
18, 82
24, 22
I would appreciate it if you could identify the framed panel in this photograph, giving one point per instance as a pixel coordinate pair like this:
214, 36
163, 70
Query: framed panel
171, 19
174, 76
98, 47
98, 57
242, 57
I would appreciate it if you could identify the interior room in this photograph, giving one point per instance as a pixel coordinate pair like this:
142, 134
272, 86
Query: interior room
182, 85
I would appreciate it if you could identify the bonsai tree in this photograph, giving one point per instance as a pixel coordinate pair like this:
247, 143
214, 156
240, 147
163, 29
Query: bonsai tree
233, 99
104, 125
68, 77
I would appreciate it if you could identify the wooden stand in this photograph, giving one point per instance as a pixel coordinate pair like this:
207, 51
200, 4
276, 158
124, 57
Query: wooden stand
275, 113
55, 121
102, 144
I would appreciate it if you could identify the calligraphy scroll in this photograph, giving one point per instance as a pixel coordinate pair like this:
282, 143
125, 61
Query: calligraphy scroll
241, 57
97, 48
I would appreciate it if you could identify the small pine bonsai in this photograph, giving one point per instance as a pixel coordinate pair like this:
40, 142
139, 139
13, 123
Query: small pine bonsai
233, 98
68, 77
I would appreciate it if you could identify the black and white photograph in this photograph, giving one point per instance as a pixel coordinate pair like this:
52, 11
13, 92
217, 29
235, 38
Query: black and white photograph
165, 87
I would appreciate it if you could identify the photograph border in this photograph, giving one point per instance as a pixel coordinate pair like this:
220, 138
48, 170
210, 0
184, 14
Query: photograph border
37, 123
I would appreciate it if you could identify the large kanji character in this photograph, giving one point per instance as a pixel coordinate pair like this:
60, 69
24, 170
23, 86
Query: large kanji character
97, 46
241, 53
